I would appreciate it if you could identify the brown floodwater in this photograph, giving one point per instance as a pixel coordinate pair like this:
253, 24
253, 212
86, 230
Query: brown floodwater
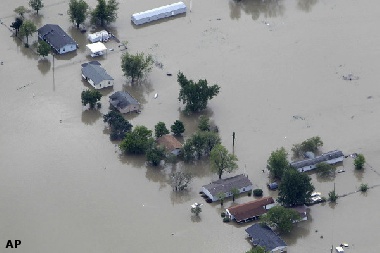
65, 187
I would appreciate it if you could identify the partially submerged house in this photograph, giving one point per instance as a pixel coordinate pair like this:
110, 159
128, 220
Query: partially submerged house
124, 102
262, 235
158, 13
331, 157
58, 39
170, 143
95, 75
101, 36
251, 210
302, 211
240, 182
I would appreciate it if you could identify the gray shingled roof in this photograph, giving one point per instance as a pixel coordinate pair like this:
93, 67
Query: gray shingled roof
225, 185
95, 72
56, 37
322, 158
122, 99
264, 237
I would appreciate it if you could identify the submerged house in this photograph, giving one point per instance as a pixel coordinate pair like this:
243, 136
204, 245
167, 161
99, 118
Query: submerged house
58, 39
251, 210
331, 157
124, 102
262, 235
240, 182
170, 143
95, 75
158, 13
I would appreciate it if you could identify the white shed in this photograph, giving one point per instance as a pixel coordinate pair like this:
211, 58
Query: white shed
158, 13
99, 36
97, 49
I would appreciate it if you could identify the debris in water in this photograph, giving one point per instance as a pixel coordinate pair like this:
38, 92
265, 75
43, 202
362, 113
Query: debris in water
341, 171
155, 95
169, 74
298, 117
350, 77
369, 97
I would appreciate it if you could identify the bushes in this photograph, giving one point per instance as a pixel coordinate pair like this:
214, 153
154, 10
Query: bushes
257, 192
226, 219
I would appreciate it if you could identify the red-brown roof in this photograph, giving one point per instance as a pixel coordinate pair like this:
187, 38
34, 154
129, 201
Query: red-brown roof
169, 142
250, 209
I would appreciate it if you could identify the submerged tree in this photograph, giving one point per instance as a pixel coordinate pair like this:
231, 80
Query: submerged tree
257, 249
325, 170
77, 11
136, 66
36, 5
138, 141
195, 95
27, 29
196, 209
204, 123
104, 12
17, 24
118, 125
221, 196
221, 161
155, 154
21, 10
235, 192
90, 97
177, 128
359, 161
180, 180
280, 218
43, 48
160, 129
278, 162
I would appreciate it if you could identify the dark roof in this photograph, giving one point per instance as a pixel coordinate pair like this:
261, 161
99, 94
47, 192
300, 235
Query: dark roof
95, 72
121, 99
56, 37
263, 236
322, 158
250, 209
225, 185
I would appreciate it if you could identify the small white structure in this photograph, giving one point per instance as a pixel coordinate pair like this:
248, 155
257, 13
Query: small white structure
158, 13
101, 36
339, 250
97, 49
95, 75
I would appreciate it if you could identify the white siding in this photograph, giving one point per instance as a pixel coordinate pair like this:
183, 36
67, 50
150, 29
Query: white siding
67, 48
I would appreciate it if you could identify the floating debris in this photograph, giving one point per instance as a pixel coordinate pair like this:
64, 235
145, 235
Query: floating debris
369, 97
298, 117
350, 77
155, 95
169, 74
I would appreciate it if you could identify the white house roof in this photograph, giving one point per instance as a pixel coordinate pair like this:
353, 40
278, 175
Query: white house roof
95, 72
96, 47
159, 10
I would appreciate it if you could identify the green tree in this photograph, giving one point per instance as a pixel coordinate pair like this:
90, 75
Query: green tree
177, 128
295, 188
221, 161
104, 12
196, 209
118, 125
160, 129
36, 5
77, 11
325, 170
180, 180
17, 24
21, 10
136, 66
155, 154
257, 249
280, 218
204, 123
188, 151
195, 95
90, 97
359, 161
235, 192
221, 196
312, 144
138, 141
333, 196
27, 29
211, 139
278, 162
363, 187
43, 48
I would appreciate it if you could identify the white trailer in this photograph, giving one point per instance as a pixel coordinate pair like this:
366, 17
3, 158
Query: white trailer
101, 36
158, 13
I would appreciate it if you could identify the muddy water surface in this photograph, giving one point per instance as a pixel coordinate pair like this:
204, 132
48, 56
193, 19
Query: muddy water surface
64, 187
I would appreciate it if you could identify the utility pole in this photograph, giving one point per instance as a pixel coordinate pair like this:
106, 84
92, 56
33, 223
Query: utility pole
233, 139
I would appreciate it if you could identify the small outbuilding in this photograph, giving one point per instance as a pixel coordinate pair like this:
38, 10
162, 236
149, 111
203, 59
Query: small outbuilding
97, 49
158, 13
262, 235
124, 102
101, 36
95, 75
170, 143
58, 39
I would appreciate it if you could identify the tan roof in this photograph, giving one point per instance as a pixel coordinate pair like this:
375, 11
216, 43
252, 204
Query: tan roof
169, 142
250, 209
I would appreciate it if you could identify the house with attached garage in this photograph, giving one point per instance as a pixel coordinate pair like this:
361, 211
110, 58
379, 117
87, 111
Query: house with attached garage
240, 182
58, 39
262, 235
124, 102
331, 157
95, 75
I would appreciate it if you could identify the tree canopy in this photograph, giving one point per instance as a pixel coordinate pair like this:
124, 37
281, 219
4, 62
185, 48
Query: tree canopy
177, 128
280, 218
21, 10
138, 141
36, 5
295, 188
204, 123
180, 180
118, 125
104, 12
90, 97
195, 95
359, 161
325, 170
257, 249
27, 28
136, 66
312, 144
278, 162
77, 11
17, 24
221, 161
43, 48
155, 154
160, 129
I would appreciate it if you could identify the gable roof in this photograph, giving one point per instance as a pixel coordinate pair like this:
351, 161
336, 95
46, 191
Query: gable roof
121, 99
225, 185
250, 209
322, 158
263, 236
95, 72
56, 37
169, 142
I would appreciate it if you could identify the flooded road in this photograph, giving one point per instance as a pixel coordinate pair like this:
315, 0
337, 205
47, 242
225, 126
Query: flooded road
64, 187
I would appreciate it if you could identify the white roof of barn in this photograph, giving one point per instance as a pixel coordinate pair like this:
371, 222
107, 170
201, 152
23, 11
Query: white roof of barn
96, 47
159, 10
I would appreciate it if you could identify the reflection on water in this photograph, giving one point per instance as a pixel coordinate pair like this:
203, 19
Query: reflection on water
306, 5
256, 8
89, 117
44, 65
300, 230
180, 197
137, 161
